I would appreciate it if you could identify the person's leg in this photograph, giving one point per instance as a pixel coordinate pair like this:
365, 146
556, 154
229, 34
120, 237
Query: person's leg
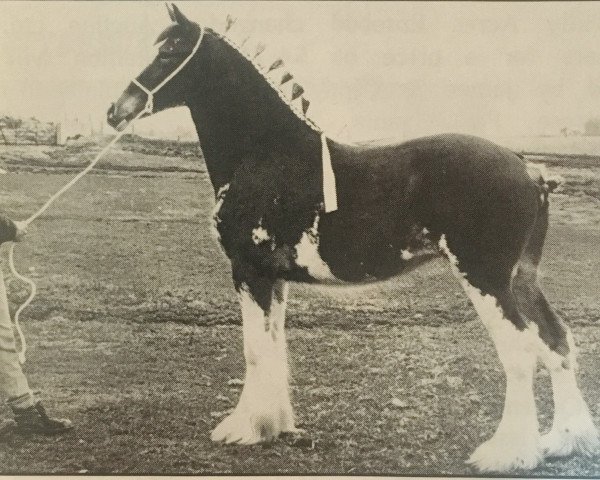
30, 415
13, 382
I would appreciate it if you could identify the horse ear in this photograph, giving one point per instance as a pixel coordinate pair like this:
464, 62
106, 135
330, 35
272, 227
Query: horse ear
229, 22
171, 14
180, 18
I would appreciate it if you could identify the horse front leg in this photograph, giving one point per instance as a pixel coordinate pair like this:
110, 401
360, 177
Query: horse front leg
264, 409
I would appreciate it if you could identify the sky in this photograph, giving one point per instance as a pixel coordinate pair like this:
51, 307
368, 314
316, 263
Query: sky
371, 70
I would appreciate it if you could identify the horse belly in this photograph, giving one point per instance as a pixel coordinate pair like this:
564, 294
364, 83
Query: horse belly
367, 252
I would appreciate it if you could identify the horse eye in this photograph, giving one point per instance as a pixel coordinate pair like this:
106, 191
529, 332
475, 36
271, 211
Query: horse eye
165, 53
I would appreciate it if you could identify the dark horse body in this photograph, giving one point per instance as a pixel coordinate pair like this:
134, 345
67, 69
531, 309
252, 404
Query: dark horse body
464, 197
455, 185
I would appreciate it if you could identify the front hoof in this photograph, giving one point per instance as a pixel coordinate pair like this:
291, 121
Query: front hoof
244, 429
505, 456
554, 446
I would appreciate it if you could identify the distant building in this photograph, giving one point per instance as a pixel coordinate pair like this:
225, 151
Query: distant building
592, 127
569, 132
17, 131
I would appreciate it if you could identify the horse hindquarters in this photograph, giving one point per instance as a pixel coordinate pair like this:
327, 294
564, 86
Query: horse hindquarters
264, 409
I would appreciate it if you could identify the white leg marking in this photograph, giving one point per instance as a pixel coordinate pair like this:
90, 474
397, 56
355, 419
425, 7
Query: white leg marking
277, 332
573, 430
516, 443
264, 409
307, 254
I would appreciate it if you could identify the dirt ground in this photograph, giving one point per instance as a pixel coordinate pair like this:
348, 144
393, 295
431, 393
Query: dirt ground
135, 335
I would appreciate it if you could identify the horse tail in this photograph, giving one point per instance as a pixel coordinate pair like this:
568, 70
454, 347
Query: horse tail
547, 183
553, 183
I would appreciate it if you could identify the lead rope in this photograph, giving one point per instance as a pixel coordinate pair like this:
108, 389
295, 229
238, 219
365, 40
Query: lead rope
148, 108
11, 263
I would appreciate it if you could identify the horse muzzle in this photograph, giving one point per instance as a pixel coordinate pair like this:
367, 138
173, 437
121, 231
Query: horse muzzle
119, 114
116, 121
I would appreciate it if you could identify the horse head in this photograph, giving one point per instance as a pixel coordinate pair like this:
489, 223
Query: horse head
177, 46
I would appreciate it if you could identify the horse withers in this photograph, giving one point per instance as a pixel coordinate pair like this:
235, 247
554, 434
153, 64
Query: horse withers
465, 198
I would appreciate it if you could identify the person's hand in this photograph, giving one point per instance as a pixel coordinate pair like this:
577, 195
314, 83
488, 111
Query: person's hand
21, 231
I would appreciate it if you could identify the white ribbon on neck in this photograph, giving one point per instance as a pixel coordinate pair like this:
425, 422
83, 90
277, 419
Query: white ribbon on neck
329, 187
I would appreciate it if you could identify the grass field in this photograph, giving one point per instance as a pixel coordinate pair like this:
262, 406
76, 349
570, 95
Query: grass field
135, 335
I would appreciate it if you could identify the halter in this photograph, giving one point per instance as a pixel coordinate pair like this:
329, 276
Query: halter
149, 107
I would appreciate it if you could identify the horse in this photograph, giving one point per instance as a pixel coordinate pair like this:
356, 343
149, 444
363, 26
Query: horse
477, 204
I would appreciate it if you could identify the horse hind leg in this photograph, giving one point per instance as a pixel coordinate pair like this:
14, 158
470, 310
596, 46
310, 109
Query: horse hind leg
572, 429
516, 442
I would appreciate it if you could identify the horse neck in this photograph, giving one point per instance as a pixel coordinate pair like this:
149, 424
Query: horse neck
238, 115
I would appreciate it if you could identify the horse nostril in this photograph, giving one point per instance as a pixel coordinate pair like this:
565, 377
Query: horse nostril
111, 111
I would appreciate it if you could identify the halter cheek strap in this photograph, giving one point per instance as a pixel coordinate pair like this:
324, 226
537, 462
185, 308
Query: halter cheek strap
149, 107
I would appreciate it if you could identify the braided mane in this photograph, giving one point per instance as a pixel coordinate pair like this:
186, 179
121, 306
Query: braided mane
265, 71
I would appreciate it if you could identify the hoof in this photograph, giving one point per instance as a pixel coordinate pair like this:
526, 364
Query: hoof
562, 442
238, 428
249, 428
505, 455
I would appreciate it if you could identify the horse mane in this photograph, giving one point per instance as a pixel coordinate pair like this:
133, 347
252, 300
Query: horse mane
267, 71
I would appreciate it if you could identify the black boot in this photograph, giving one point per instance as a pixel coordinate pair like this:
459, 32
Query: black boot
34, 419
